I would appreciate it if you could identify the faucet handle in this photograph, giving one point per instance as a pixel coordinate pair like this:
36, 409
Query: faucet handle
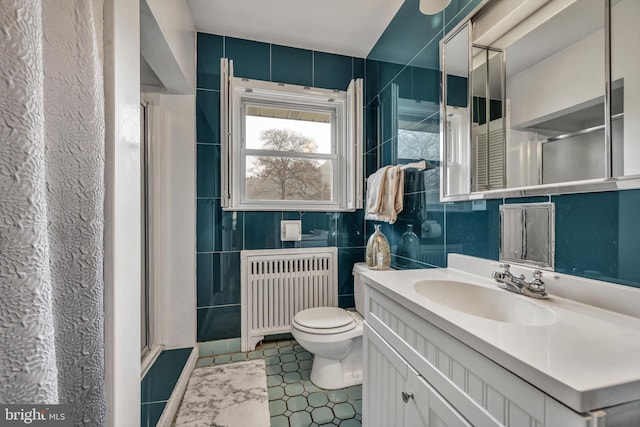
505, 267
536, 287
537, 283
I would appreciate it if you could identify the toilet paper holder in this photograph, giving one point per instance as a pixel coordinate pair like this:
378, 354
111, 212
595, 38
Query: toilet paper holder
431, 230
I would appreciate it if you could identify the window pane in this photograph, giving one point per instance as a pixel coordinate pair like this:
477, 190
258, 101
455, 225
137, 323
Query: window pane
279, 129
285, 178
418, 145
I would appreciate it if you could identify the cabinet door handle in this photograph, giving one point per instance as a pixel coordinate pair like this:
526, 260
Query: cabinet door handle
406, 396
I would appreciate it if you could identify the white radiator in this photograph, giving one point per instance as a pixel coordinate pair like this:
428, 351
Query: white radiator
278, 283
436, 255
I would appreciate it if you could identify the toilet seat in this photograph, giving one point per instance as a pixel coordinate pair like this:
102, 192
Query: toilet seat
324, 320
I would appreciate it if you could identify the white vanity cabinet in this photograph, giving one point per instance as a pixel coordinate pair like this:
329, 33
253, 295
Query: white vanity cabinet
451, 383
397, 395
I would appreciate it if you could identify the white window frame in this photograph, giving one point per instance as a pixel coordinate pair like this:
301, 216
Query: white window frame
345, 108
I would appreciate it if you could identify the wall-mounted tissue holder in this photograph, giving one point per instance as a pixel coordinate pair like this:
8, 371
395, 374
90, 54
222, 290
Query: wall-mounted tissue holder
290, 230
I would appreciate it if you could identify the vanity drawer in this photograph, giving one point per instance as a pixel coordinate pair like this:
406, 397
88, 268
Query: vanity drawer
484, 392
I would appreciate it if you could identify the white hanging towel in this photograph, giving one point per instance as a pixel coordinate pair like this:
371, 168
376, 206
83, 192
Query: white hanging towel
385, 191
375, 190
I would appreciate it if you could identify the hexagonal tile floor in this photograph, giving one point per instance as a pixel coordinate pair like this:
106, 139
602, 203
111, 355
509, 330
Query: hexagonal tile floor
293, 400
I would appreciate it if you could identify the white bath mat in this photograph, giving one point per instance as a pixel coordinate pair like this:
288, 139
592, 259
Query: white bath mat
232, 395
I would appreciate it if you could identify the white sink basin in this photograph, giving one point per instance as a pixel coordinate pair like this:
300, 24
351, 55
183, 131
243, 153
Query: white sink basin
494, 304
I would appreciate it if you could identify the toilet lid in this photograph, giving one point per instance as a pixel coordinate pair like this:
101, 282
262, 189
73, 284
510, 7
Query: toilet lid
323, 318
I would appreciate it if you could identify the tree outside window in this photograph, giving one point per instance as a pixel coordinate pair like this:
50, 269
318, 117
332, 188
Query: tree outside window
282, 177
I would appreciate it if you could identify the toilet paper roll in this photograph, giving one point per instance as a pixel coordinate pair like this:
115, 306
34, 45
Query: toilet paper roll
431, 230
292, 232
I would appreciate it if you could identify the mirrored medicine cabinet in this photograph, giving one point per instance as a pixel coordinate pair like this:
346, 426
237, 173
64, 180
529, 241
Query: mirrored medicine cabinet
541, 97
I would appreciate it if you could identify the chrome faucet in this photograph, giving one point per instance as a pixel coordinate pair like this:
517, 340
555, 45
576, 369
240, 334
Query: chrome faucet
535, 288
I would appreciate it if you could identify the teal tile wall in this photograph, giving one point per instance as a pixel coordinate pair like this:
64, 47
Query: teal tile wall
150, 413
292, 65
158, 384
219, 269
222, 235
207, 116
210, 50
597, 234
208, 184
218, 322
331, 71
251, 59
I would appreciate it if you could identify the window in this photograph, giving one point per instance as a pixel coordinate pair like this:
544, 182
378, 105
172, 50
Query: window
288, 147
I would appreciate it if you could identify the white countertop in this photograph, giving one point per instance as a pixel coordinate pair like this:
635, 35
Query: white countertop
588, 359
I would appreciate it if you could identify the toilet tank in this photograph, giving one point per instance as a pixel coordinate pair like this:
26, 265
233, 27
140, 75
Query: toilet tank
358, 292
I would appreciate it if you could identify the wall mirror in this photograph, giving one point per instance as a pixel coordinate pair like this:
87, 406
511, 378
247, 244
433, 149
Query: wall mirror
541, 97
527, 234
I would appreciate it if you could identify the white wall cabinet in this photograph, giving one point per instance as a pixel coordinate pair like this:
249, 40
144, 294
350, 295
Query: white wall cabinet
451, 383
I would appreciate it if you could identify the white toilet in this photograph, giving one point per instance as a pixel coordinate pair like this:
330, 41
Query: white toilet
334, 336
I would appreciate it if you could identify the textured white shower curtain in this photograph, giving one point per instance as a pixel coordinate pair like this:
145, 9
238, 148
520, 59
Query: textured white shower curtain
51, 205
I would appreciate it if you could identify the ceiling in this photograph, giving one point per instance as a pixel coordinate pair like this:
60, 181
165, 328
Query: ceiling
347, 27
